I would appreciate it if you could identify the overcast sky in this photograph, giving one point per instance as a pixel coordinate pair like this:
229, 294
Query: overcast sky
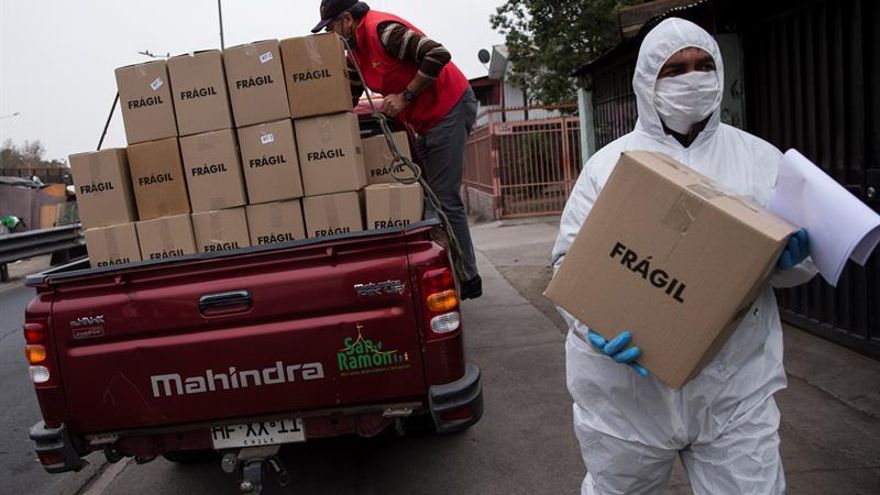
57, 56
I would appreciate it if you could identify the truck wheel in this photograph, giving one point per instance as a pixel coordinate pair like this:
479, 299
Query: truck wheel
191, 456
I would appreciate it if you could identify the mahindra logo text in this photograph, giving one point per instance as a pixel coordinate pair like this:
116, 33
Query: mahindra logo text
381, 288
87, 321
174, 384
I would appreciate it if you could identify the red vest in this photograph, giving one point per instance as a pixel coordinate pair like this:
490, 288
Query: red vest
388, 75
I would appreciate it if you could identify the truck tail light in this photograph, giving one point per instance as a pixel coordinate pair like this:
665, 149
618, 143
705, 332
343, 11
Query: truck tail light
446, 323
441, 303
34, 333
37, 352
40, 375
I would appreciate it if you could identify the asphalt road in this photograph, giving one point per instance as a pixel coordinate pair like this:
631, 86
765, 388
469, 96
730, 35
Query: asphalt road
21, 472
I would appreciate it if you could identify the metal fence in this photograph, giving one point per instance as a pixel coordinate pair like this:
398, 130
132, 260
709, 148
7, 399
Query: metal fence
21, 246
614, 105
813, 83
516, 167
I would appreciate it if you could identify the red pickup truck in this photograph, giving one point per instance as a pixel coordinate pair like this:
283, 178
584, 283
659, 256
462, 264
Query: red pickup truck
231, 352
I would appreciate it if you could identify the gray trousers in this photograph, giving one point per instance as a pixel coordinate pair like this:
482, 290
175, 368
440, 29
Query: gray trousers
442, 152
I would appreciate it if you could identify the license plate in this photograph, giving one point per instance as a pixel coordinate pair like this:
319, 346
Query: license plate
272, 432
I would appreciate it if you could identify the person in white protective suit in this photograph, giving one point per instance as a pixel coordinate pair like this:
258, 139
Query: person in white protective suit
724, 423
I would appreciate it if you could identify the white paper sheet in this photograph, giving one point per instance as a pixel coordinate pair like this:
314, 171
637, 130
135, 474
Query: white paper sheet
840, 225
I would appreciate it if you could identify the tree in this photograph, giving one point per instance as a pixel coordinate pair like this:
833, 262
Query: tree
548, 40
33, 151
27, 160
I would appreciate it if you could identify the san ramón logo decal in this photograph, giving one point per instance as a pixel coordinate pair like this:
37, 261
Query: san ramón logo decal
362, 356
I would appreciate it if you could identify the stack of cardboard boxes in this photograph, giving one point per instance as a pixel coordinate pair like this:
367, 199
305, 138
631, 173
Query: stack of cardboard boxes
255, 145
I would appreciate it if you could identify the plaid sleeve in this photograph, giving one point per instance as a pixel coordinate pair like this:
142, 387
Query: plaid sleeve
409, 46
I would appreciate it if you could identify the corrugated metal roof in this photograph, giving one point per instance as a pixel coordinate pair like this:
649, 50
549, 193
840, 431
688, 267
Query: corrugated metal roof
627, 43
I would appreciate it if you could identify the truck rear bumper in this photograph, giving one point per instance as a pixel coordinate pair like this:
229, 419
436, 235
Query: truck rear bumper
458, 405
55, 449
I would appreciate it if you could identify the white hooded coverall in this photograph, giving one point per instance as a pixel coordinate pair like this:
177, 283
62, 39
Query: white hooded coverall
724, 423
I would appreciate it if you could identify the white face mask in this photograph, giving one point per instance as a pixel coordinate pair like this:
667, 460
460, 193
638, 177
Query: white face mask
684, 100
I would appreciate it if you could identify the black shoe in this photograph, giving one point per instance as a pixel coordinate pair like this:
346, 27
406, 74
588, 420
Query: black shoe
472, 289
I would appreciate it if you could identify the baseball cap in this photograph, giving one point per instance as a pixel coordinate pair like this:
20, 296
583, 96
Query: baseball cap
331, 9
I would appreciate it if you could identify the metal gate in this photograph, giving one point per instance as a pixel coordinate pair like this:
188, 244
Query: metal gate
813, 83
614, 103
522, 162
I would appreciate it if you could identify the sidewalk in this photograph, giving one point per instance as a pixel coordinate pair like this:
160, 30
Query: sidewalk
830, 411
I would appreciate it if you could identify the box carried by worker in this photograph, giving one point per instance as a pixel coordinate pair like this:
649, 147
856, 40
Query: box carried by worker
669, 256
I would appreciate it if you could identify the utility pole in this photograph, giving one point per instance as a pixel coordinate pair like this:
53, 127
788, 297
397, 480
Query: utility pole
220, 12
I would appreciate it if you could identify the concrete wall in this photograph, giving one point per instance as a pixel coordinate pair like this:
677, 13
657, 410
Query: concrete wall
480, 204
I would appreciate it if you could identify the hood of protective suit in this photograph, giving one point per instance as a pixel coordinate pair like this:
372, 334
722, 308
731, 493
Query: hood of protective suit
659, 45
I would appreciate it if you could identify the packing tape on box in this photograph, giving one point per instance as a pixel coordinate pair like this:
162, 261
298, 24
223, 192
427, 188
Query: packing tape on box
165, 236
394, 200
332, 212
216, 228
112, 243
746, 202
205, 142
705, 191
216, 202
95, 174
312, 50
141, 70
325, 131
683, 212
276, 219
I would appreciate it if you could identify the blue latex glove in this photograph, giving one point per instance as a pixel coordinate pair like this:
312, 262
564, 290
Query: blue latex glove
617, 349
796, 251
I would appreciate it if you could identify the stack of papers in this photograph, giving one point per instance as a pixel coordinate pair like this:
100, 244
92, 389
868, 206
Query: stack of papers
840, 225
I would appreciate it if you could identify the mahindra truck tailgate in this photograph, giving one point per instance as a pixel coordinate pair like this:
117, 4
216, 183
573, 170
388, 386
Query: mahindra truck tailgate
212, 338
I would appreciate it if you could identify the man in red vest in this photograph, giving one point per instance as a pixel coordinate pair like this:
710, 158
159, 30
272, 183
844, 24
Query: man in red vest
423, 89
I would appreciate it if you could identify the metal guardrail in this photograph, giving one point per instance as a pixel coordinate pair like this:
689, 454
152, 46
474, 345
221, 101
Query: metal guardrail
24, 245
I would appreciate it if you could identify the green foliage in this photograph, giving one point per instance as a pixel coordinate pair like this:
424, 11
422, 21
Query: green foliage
548, 40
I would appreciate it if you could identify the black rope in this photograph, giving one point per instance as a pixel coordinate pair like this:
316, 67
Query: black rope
415, 170
107, 125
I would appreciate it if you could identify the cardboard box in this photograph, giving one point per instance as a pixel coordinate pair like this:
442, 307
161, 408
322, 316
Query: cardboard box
213, 171
317, 75
378, 159
333, 214
167, 237
271, 162
672, 258
103, 188
145, 98
201, 101
221, 230
114, 245
330, 154
273, 223
157, 179
393, 205
256, 83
